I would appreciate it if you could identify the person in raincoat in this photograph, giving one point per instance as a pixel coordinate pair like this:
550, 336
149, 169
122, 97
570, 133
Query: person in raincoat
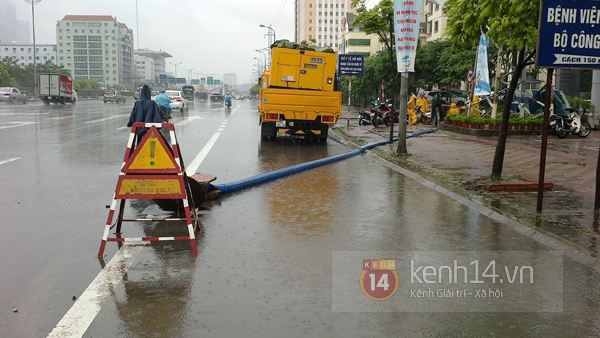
164, 103
144, 110
453, 110
412, 112
422, 102
475, 107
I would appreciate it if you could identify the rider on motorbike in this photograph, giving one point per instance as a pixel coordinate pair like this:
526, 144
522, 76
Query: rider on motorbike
164, 103
228, 99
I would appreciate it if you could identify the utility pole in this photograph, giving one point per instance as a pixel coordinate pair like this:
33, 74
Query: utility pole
35, 79
402, 118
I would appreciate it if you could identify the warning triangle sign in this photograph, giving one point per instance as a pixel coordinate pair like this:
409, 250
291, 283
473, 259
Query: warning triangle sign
152, 155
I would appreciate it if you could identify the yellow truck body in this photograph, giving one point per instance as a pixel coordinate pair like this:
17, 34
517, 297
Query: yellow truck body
297, 94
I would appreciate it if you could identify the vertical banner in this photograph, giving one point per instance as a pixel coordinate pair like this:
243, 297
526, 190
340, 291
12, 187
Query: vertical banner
407, 21
482, 74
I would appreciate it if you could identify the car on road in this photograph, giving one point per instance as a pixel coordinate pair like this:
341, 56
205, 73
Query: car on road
178, 101
12, 95
216, 98
113, 96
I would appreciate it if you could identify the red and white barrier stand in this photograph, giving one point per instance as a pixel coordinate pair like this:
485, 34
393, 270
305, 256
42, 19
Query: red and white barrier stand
152, 170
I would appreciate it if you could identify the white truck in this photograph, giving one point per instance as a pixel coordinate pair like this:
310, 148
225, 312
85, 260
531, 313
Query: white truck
57, 88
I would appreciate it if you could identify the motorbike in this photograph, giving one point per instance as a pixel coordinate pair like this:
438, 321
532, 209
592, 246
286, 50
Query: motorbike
423, 118
388, 116
378, 110
364, 118
228, 104
574, 123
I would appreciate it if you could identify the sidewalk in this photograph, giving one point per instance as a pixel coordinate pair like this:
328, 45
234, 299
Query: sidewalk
459, 162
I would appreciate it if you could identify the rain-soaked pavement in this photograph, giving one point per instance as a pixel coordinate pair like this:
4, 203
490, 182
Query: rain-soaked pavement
280, 259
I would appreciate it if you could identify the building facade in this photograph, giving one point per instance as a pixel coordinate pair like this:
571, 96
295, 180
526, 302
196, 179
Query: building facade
354, 40
96, 47
436, 20
321, 20
24, 53
149, 64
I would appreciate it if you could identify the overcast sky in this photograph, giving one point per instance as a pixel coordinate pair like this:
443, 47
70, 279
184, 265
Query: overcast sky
209, 36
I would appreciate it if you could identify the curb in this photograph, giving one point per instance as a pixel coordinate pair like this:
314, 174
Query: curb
550, 240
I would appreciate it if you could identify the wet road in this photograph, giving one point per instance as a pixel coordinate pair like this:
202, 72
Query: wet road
280, 259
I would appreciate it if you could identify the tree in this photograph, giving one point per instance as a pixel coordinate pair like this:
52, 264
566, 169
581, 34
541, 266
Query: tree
511, 23
49, 67
379, 20
5, 79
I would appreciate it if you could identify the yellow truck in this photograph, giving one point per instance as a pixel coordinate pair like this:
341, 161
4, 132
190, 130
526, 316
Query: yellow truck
297, 94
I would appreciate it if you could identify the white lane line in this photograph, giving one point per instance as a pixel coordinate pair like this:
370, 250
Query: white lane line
17, 124
77, 320
191, 169
105, 119
9, 160
187, 120
193, 166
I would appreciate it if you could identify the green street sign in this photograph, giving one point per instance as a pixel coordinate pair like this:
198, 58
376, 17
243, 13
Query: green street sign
217, 81
195, 81
209, 80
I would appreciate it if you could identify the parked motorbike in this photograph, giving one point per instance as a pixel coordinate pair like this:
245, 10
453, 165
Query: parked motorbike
378, 110
574, 123
388, 116
364, 118
423, 118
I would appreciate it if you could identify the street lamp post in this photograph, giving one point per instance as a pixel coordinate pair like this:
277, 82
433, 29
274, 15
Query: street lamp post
189, 74
261, 69
175, 64
263, 53
35, 80
269, 36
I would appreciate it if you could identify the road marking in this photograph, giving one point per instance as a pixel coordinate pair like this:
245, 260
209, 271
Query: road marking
187, 120
193, 166
105, 119
17, 124
77, 320
10, 160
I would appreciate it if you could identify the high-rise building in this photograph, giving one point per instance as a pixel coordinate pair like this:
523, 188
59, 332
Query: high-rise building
150, 64
96, 47
230, 80
11, 29
321, 20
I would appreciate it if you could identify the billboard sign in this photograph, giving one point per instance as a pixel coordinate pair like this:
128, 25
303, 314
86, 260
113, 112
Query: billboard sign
195, 81
407, 22
569, 34
349, 64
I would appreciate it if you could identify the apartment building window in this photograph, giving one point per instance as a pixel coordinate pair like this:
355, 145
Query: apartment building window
437, 7
310, 29
435, 26
22, 49
310, 6
95, 65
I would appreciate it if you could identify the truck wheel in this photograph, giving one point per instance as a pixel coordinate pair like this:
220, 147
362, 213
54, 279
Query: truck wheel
104, 101
46, 102
267, 130
324, 133
62, 101
73, 101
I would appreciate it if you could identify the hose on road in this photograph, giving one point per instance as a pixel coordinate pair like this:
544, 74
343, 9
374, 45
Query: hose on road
237, 185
